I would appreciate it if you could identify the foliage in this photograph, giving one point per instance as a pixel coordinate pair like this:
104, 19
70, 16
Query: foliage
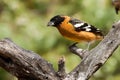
24, 21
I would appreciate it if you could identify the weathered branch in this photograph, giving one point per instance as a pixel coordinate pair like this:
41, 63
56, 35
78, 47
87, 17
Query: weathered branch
97, 56
61, 68
77, 51
27, 65
24, 64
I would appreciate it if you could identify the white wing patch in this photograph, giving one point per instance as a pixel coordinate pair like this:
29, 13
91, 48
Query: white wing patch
87, 28
81, 26
78, 25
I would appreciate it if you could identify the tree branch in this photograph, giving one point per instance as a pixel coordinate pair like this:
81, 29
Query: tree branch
77, 51
27, 65
97, 56
24, 64
61, 68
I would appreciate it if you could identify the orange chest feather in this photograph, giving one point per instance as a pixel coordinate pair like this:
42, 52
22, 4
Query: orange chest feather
67, 30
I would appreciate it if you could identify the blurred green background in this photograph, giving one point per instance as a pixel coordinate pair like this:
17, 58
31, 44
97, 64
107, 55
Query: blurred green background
24, 21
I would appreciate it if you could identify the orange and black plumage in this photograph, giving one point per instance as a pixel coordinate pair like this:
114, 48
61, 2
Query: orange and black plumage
75, 30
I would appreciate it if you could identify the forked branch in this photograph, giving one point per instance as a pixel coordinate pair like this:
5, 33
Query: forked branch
27, 65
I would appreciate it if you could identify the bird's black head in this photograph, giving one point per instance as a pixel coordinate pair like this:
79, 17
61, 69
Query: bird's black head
55, 21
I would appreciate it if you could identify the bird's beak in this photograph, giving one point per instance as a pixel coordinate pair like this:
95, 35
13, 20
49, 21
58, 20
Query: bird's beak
50, 24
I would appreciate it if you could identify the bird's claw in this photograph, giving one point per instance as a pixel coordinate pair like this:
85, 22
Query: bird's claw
74, 44
73, 47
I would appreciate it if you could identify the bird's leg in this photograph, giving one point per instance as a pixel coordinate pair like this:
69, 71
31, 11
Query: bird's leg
77, 51
74, 44
73, 47
88, 45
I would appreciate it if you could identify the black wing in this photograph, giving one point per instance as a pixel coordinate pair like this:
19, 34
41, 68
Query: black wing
81, 26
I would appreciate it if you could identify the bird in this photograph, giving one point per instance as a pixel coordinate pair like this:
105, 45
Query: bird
75, 29
116, 4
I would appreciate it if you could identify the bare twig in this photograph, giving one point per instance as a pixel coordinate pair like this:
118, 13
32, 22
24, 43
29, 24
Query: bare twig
61, 68
77, 51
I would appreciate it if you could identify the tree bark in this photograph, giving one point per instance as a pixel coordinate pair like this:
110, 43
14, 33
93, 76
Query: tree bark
24, 64
27, 65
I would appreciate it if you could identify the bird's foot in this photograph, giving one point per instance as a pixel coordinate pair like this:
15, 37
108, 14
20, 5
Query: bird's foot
73, 47
74, 44
78, 51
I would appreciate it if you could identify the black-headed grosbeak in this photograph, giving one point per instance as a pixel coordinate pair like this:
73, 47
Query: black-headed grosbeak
116, 3
75, 30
